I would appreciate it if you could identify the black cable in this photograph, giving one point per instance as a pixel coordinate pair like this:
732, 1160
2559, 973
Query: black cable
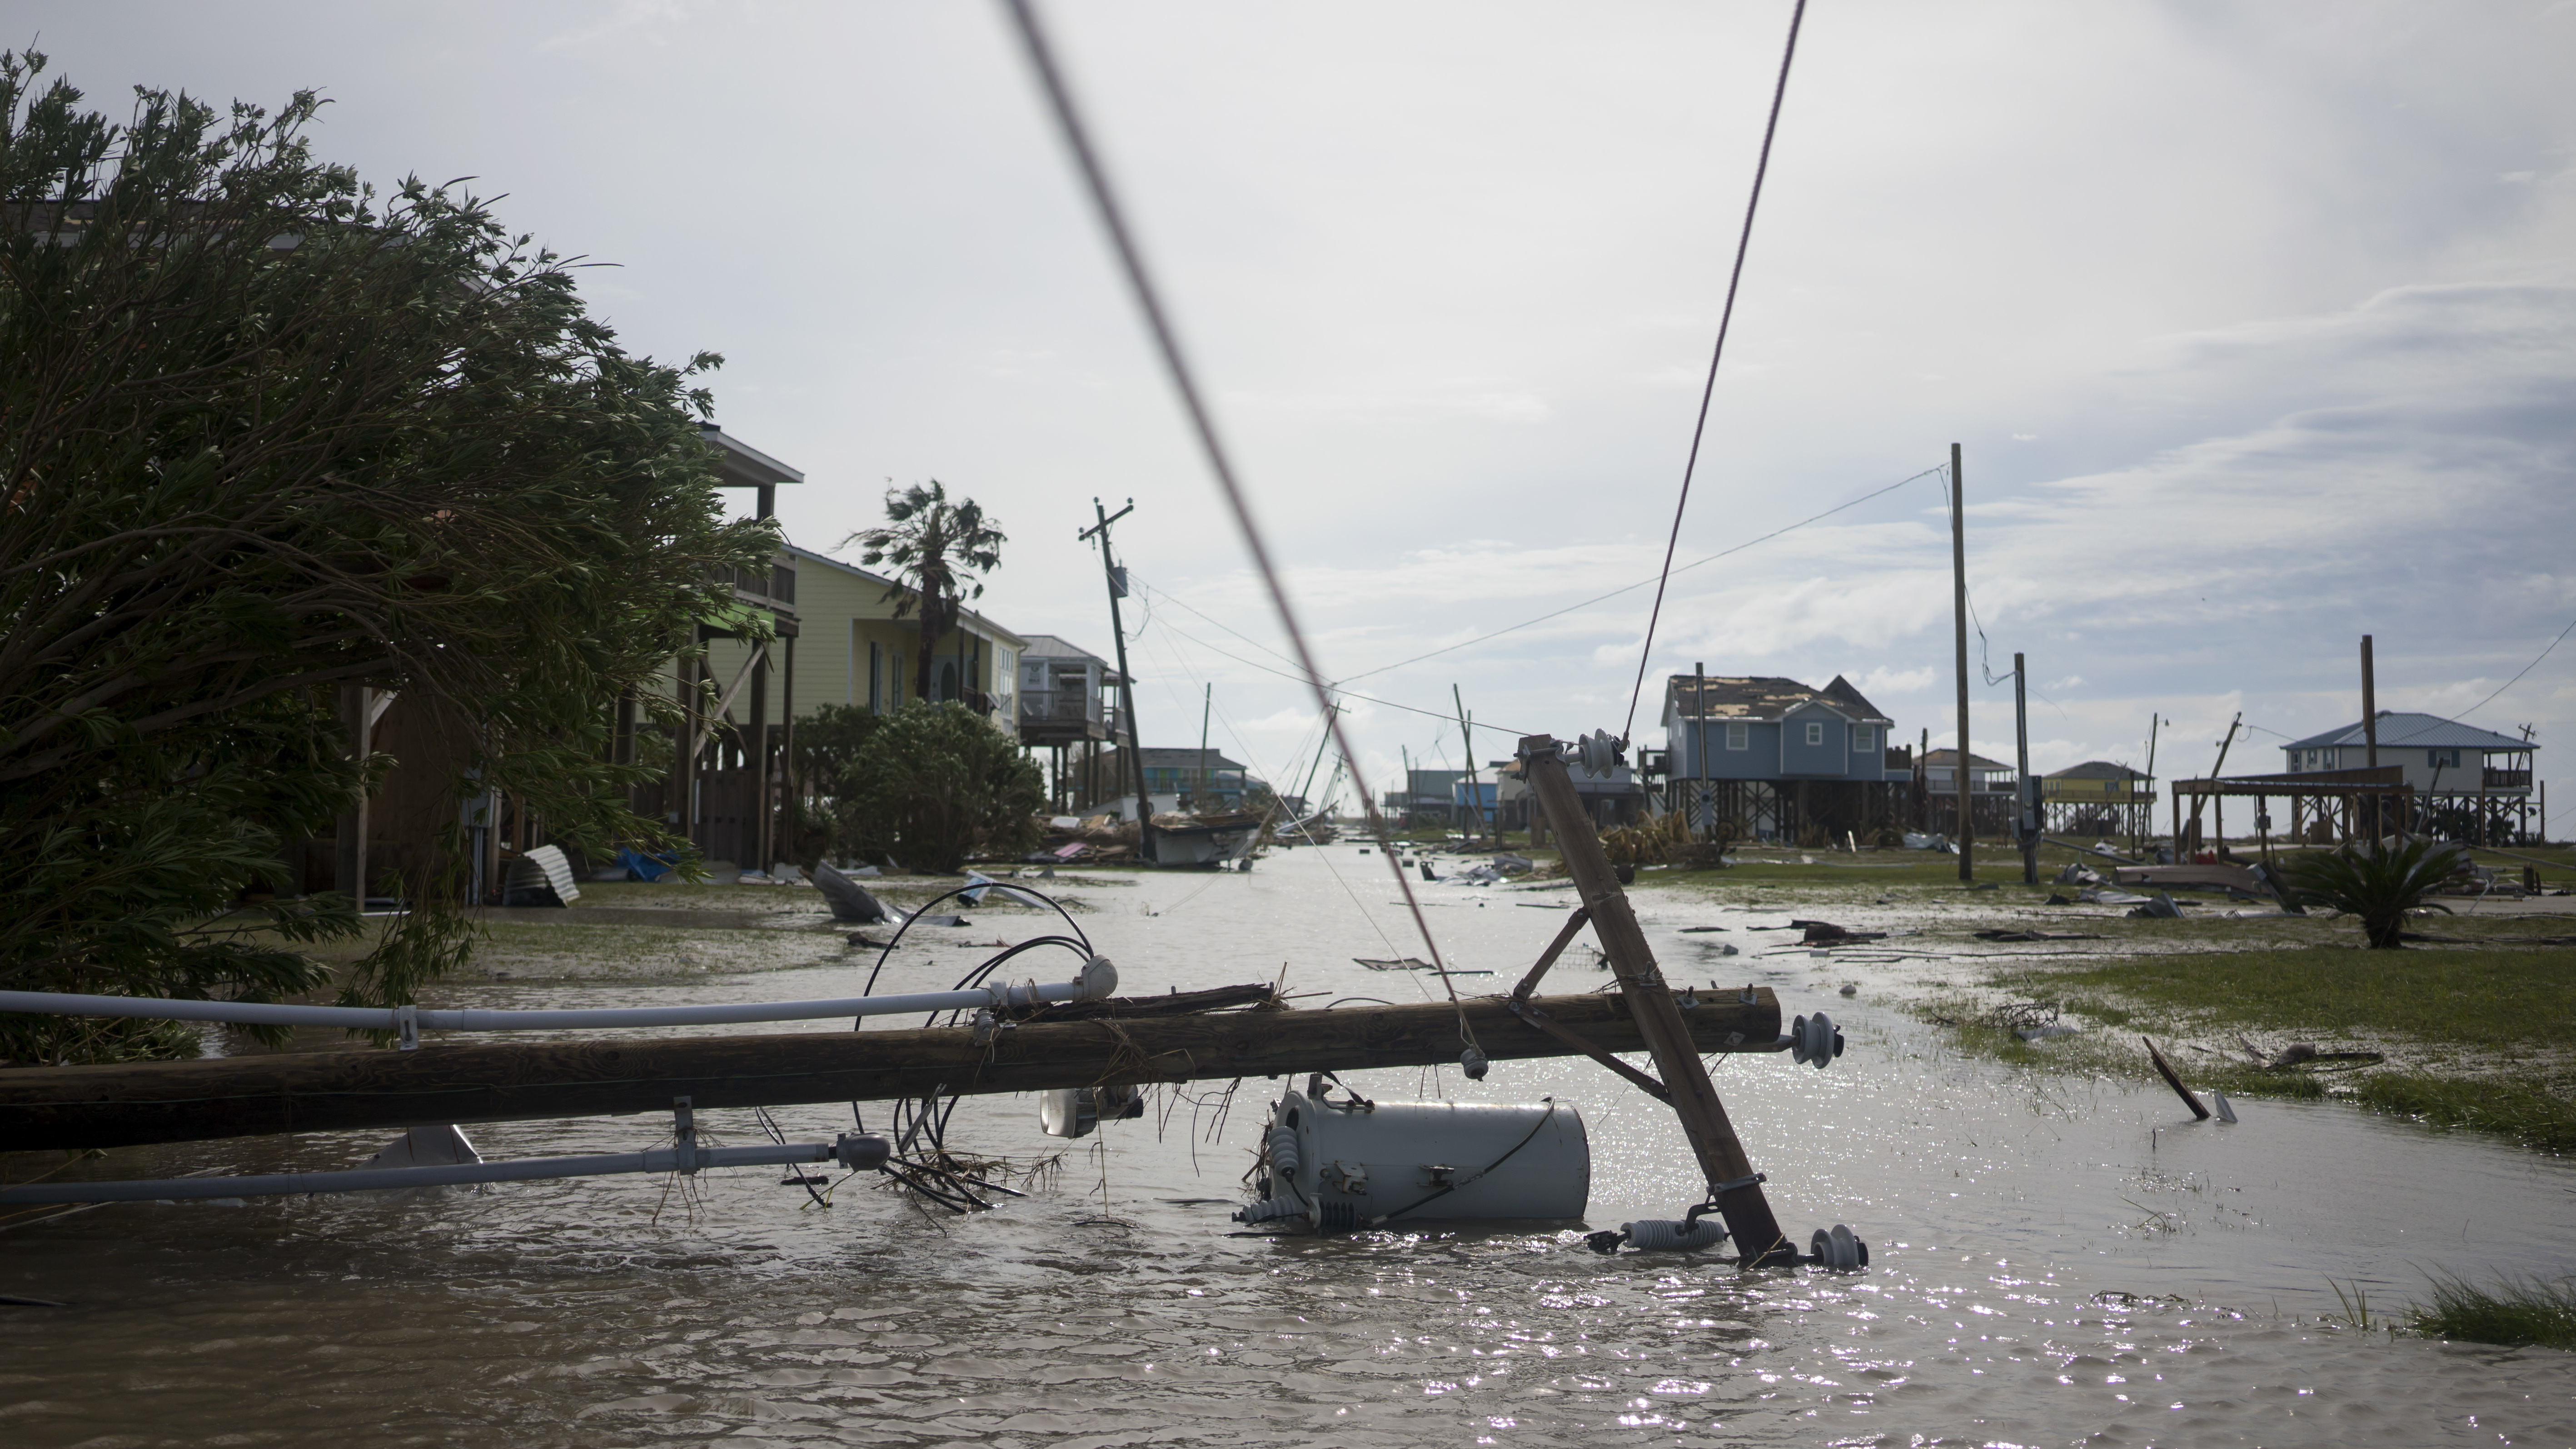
1708, 391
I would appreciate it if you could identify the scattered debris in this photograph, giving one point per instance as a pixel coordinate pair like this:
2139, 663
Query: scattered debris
1826, 933
2162, 908
1851, 988
849, 900
2165, 1069
542, 877
2037, 936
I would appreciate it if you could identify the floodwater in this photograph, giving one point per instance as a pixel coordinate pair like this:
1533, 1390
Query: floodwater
2053, 1260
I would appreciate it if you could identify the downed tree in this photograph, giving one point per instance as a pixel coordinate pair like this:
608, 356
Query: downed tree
131, 1103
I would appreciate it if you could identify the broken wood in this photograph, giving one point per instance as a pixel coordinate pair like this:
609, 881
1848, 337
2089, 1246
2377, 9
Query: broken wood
1564, 938
129, 1103
2175, 1082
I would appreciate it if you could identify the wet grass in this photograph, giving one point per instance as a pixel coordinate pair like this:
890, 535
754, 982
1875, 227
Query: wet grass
2514, 1313
2507, 1010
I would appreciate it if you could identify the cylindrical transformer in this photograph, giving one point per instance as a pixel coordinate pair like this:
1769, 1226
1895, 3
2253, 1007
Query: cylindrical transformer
1345, 1164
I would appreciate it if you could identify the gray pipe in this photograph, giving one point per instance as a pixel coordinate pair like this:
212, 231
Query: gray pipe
851, 1150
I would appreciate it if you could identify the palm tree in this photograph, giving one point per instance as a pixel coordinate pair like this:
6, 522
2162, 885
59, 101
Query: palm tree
933, 547
2379, 885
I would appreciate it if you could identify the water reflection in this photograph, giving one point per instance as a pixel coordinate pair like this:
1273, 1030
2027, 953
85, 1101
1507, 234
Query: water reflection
2054, 1261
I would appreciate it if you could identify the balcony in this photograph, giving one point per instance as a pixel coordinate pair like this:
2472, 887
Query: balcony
777, 587
1057, 707
2494, 779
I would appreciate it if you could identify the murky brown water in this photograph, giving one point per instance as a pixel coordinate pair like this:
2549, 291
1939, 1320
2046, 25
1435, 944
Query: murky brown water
2055, 1262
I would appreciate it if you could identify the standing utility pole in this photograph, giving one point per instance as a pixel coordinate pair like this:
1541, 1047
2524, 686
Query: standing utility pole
1133, 751
2370, 732
2151, 793
2025, 789
1699, 752
1959, 614
1206, 707
2219, 827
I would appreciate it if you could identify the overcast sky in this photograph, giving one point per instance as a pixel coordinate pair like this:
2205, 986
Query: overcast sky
2257, 324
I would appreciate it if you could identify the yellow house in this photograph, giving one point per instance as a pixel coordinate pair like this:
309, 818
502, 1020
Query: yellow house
848, 648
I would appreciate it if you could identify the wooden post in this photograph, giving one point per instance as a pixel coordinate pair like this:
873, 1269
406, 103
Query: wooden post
1959, 623
1732, 1184
2370, 734
1133, 751
1207, 706
2025, 797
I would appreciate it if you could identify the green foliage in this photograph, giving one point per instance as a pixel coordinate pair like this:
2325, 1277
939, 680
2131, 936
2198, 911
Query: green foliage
931, 784
265, 434
2516, 1313
2528, 1112
2378, 884
828, 743
932, 546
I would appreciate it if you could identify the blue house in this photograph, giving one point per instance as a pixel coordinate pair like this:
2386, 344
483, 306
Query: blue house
1782, 761
1768, 728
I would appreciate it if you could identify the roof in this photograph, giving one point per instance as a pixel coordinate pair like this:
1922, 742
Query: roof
982, 623
1051, 646
1764, 697
742, 465
1946, 758
2416, 731
2095, 770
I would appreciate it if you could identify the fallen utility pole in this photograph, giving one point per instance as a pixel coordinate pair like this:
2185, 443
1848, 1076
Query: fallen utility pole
1733, 1186
131, 1103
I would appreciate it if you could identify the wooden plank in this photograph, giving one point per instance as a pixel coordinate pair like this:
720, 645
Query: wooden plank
1659, 1019
125, 1104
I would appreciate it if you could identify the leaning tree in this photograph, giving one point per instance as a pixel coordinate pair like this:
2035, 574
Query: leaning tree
265, 433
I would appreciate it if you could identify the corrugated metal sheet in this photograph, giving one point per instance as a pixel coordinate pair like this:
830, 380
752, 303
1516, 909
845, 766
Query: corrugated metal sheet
2416, 731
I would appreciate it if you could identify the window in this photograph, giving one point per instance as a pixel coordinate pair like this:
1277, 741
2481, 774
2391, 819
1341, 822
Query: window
1862, 738
1739, 736
2443, 759
1815, 732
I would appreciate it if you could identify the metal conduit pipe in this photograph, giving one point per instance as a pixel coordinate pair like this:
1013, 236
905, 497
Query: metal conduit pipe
1097, 981
852, 1150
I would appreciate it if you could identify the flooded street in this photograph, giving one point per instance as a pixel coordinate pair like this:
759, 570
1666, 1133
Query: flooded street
2054, 1260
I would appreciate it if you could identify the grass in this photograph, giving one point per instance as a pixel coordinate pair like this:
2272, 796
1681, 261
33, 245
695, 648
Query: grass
2505, 1012
2515, 1313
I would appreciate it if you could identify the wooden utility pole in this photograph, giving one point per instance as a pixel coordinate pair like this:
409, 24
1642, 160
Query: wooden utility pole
1699, 754
1133, 751
1732, 1183
2024, 792
1467, 742
1207, 706
49, 1108
2151, 795
2370, 732
2220, 828
1959, 619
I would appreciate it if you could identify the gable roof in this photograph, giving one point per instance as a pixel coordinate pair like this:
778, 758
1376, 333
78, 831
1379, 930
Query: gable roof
2416, 731
983, 623
1184, 758
2095, 770
1946, 758
1761, 697
1053, 646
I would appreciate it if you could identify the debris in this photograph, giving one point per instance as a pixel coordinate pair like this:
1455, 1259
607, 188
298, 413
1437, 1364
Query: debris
2161, 908
2036, 936
940, 920
2077, 873
2054, 899
849, 900
1985, 885
542, 877
647, 868
2165, 1069
1916, 840
1851, 988
1401, 963
1700, 930
2105, 896
1826, 933
2218, 1099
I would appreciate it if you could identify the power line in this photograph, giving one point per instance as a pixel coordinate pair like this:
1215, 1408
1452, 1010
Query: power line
1149, 302
1641, 583
1708, 390
2526, 669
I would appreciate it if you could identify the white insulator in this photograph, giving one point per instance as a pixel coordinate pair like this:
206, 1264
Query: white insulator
1283, 1152
1656, 1235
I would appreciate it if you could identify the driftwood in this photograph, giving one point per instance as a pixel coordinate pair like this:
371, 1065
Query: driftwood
442, 1082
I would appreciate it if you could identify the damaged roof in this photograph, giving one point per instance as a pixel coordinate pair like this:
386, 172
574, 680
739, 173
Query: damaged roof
1763, 697
2095, 770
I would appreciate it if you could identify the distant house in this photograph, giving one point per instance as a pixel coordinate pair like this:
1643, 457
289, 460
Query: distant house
1171, 774
1784, 760
1941, 774
1769, 728
2097, 798
2439, 756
